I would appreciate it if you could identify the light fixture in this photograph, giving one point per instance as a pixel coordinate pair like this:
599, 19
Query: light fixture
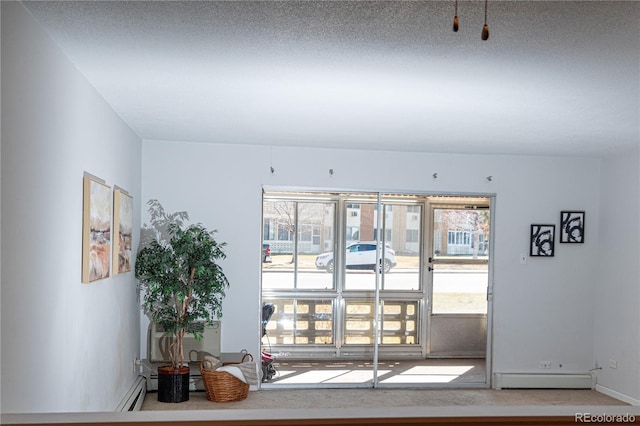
455, 19
485, 29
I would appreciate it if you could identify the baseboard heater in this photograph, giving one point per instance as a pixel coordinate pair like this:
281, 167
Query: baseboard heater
544, 381
134, 398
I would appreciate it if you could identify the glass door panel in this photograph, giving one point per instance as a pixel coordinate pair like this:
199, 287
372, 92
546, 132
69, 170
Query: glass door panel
315, 237
403, 230
299, 322
359, 322
460, 256
459, 271
322, 260
297, 234
402, 241
399, 322
360, 246
277, 244
459, 288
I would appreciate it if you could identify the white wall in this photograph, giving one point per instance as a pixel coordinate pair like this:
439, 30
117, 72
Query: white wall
542, 311
66, 346
617, 292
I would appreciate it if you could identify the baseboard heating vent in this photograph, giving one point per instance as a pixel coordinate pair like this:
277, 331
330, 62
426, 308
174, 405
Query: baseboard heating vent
135, 396
544, 381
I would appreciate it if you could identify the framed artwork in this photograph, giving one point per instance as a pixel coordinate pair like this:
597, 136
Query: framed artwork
96, 229
122, 230
542, 240
572, 227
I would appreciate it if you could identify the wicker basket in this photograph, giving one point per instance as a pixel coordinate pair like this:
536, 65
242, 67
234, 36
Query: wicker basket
222, 386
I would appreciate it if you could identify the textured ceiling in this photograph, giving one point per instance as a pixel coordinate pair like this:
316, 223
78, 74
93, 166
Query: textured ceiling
554, 78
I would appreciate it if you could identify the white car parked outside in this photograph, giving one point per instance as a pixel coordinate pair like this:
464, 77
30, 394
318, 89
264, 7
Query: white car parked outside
359, 255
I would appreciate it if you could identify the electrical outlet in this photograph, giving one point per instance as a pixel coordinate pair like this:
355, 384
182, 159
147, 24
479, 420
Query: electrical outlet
136, 363
544, 364
613, 363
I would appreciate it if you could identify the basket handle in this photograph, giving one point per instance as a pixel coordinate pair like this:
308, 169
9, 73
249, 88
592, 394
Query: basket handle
244, 357
206, 364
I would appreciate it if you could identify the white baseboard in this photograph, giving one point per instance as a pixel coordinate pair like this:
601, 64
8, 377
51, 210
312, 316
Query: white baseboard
543, 381
617, 395
134, 398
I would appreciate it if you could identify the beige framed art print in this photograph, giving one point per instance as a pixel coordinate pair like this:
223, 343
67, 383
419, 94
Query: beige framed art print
122, 230
96, 229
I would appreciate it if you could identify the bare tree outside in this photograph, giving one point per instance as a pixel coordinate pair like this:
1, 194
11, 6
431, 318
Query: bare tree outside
475, 222
295, 222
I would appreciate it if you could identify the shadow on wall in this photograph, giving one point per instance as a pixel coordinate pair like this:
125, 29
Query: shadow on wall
157, 228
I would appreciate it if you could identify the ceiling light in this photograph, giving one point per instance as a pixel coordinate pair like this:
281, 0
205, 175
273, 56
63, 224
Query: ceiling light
455, 19
485, 29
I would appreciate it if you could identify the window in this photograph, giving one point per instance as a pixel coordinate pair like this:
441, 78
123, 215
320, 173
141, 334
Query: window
300, 322
305, 230
324, 261
387, 234
398, 325
388, 207
459, 237
460, 264
413, 236
268, 229
305, 233
284, 233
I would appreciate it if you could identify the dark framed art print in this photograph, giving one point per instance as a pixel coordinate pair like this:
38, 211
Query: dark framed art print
542, 240
572, 227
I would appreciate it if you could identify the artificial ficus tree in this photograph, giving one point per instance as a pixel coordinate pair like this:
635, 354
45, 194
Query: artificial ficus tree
180, 279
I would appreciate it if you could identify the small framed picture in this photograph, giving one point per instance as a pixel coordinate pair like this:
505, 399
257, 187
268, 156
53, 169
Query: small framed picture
572, 227
122, 231
542, 240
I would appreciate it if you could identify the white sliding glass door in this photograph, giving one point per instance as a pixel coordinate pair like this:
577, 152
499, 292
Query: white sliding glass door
359, 284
